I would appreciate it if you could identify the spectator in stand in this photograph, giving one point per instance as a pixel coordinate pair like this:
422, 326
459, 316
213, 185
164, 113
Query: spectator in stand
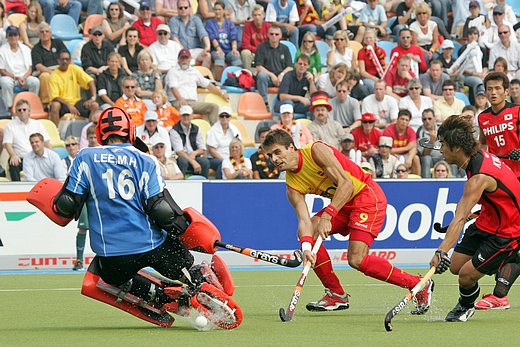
323, 128
92, 6
441, 169
356, 88
500, 65
481, 102
150, 131
133, 106
273, 61
16, 6
205, 9
433, 79
340, 52
283, 14
109, 82
53, 7
490, 36
428, 41
345, 109
4, 23
448, 104
366, 62
407, 12
169, 168
148, 79
331, 8
415, 103
373, 16
29, 28
147, 24
405, 141
94, 54
236, 166
382, 105
509, 12
514, 91
299, 131
164, 51
42, 162
507, 48
131, 50
384, 162
295, 86
401, 171
183, 80
84, 140
446, 56
72, 147
187, 142
166, 9
223, 36
397, 79
255, 32
219, 138
476, 19
167, 115
15, 67
366, 137
262, 167
16, 137
45, 58
189, 31
239, 13
310, 21
115, 24
347, 148
428, 130
406, 47
329, 81
65, 84
309, 48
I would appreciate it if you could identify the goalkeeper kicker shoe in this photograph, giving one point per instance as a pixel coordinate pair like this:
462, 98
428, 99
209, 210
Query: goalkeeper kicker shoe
423, 299
491, 302
460, 313
330, 302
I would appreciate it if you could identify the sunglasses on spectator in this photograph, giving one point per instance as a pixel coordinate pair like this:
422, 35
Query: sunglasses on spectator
225, 115
131, 87
341, 91
368, 121
400, 171
448, 89
21, 109
183, 7
160, 145
162, 33
97, 33
429, 118
64, 58
274, 34
414, 88
419, 13
497, 14
503, 32
308, 41
114, 9
339, 39
70, 144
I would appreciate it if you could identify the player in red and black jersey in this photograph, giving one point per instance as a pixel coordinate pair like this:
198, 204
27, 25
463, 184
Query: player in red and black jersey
492, 242
500, 123
500, 130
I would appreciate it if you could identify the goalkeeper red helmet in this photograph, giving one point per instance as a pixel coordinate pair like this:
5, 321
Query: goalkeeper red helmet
115, 121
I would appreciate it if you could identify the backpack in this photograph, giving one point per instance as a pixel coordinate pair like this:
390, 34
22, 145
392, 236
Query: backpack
245, 79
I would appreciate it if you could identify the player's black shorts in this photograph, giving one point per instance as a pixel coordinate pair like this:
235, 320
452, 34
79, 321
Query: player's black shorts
489, 251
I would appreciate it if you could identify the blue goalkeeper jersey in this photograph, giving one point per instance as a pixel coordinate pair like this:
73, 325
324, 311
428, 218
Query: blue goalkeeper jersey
118, 179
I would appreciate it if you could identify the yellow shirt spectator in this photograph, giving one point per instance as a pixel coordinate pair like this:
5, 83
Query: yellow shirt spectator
64, 84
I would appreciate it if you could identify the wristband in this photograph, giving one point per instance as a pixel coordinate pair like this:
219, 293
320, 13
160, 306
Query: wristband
331, 210
306, 243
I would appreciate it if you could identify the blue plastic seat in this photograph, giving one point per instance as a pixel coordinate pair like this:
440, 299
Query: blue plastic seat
323, 49
62, 152
64, 27
196, 177
249, 151
292, 49
231, 89
457, 49
71, 46
387, 46
463, 97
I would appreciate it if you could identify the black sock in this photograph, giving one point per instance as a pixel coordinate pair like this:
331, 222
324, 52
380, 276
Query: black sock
145, 289
469, 296
505, 278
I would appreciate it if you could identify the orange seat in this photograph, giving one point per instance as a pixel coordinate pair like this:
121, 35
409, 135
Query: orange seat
246, 140
16, 19
272, 90
355, 47
37, 111
92, 21
251, 106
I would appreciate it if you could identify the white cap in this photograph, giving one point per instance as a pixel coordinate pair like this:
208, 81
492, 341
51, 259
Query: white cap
225, 109
186, 109
386, 141
447, 44
163, 27
286, 108
157, 140
150, 115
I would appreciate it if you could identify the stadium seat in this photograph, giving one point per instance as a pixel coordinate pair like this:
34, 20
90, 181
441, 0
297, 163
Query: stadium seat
252, 106
204, 127
323, 49
16, 19
71, 47
355, 47
62, 152
205, 72
457, 49
65, 121
249, 151
216, 99
196, 178
3, 123
230, 89
63, 27
463, 97
387, 46
304, 121
75, 127
246, 140
37, 111
261, 124
4, 162
292, 48
277, 114
92, 21
53, 133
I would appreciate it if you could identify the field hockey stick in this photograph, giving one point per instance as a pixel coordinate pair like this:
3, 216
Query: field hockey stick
442, 230
286, 316
390, 64
397, 308
270, 258
377, 63
513, 155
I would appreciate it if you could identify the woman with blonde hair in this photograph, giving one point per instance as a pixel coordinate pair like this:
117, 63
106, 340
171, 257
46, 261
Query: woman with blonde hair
368, 64
441, 169
236, 166
425, 32
148, 78
329, 81
340, 52
29, 30
167, 115
309, 48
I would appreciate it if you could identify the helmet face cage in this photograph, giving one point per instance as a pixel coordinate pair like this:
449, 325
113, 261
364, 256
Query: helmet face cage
115, 121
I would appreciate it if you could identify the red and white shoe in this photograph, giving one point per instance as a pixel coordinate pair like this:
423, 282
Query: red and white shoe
491, 302
330, 302
423, 299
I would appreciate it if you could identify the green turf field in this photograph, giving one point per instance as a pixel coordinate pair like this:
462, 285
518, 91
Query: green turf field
48, 310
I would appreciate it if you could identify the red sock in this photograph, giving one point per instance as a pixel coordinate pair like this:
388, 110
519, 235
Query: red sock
379, 268
325, 273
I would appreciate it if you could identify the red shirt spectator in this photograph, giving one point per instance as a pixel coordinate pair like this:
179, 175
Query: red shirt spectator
147, 32
254, 36
366, 137
405, 47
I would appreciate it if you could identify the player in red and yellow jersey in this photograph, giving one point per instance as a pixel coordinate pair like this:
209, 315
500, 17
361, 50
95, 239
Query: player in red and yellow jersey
357, 208
492, 242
